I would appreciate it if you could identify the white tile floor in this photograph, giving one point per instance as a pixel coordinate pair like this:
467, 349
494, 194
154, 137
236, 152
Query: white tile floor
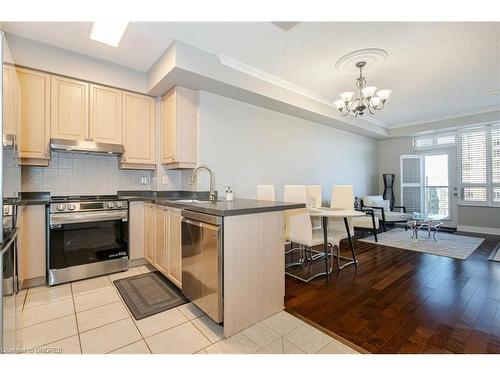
90, 317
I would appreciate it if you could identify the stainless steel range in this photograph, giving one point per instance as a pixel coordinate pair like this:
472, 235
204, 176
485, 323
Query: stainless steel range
87, 236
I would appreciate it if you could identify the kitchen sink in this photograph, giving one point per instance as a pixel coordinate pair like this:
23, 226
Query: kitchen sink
189, 201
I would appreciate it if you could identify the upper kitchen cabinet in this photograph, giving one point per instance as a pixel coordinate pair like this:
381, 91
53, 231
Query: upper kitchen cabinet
105, 114
9, 102
34, 102
138, 132
179, 128
69, 106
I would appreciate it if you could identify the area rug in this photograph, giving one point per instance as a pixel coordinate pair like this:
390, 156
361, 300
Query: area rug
447, 245
149, 294
495, 255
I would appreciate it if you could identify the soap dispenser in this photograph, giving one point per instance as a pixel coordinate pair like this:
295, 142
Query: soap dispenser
229, 193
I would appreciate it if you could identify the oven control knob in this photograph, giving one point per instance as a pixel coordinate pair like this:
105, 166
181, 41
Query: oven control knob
71, 207
111, 204
60, 207
119, 204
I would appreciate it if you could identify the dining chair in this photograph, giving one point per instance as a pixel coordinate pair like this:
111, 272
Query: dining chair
313, 193
266, 193
295, 194
343, 197
299, 230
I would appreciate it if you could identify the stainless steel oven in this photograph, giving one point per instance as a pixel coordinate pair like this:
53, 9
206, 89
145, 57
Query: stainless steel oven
86, 239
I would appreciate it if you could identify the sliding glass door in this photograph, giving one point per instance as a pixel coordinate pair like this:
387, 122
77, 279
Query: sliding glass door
436, 185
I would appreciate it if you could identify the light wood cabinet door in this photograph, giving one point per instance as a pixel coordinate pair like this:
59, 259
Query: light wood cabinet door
105, 114
138, 132
174, 259
31, 243
149, 232
69, 106
136, 230
161, 239
179, 128
34, 102
8, 98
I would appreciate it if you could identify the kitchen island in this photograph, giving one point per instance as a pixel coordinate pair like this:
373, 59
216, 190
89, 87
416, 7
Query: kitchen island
253, 263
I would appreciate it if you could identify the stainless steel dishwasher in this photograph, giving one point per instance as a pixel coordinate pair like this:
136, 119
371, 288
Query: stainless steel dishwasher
202, 262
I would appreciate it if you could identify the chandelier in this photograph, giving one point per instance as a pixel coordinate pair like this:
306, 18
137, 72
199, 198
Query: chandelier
367, 98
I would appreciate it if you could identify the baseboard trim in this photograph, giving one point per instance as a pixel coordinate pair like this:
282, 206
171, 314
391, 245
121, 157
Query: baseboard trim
475, 229
137, 262
33, 283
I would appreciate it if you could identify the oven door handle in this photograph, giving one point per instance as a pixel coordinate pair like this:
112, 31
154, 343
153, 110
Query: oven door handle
87, 217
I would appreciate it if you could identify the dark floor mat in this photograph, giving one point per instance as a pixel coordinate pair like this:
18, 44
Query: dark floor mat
149, 294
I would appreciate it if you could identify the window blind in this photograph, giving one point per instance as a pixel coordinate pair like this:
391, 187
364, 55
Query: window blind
473, 158
495, 165
445, 140
424, 143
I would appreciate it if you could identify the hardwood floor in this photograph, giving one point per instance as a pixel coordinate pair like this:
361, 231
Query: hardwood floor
400, 301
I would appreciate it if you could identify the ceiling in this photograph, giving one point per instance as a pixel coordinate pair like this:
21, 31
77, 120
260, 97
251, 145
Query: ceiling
434, 69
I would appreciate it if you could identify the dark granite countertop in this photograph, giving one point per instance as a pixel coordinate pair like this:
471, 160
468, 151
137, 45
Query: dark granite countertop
231, 208
33, 198
171, 198
219, 208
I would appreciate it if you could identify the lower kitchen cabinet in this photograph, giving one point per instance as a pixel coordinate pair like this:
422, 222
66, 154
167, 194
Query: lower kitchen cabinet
162, 240
160, 260
174, 259
149, 232
31, 245
136, 230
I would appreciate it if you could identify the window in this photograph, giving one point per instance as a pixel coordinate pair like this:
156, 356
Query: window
480, 166
437, 141
495, 165
423, 143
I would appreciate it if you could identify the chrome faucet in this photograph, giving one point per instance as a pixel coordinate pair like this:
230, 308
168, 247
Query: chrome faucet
213, 193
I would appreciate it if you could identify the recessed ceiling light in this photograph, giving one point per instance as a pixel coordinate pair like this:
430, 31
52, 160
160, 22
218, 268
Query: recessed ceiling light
108, 32
494, 92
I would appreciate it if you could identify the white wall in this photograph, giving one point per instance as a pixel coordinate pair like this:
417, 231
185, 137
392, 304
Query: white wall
247, 145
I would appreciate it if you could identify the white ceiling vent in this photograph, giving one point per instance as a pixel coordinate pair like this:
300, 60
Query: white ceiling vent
286, 26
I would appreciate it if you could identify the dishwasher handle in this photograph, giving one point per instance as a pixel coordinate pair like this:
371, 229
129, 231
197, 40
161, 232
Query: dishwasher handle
201, 224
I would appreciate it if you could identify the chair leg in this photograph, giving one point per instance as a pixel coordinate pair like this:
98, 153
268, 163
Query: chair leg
375, 234
383, 226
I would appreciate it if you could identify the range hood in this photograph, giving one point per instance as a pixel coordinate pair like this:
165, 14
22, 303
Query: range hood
86, 147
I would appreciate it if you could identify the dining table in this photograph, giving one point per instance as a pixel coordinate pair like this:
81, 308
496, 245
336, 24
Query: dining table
326, 213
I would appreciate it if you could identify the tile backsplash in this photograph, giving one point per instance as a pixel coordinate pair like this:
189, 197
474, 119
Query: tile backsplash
73, 173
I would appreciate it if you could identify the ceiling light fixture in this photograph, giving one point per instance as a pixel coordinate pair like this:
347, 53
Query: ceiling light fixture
108, 32
367, 98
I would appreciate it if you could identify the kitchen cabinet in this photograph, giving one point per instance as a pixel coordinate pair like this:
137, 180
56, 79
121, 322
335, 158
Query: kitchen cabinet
174, 252
149, 232
161, 239
69, 106
9, 101
34, 127
136, 225
105, 114
138, 132
31, 245
179, 128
